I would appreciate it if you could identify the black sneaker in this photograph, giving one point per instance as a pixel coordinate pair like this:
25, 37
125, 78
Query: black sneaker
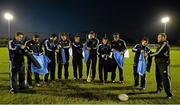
22, 88
101, 81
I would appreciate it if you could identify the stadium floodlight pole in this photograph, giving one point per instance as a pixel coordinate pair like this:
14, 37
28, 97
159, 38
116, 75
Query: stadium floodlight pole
8, 17
165, 20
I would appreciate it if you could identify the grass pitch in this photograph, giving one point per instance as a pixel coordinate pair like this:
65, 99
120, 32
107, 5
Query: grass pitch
81, 92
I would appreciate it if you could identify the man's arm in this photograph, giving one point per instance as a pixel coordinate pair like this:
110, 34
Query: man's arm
10, 46
135, 48
47, 45
160, 49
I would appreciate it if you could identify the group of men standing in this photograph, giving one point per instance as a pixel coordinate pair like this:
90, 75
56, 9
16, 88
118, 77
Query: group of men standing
103, 49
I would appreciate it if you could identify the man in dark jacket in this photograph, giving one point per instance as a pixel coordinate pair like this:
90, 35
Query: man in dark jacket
63, 44
162, 60
16, 57
138, 49
104, 51
77, 56
92, 45
119, 45
34, 47
50, 46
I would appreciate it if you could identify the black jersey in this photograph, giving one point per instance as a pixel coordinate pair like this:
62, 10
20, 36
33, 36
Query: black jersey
77, 50
119, 45
104, 49
34, 47
162, 53
93, 45
16, 54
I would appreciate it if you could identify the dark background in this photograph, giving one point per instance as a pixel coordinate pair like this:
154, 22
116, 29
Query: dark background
133, 20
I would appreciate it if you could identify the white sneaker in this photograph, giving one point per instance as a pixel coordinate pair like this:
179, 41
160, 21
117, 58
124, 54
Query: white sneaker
38, 84
30, 87
11, 91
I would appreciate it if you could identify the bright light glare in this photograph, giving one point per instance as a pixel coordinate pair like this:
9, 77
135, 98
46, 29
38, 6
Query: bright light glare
8, 16
165, 19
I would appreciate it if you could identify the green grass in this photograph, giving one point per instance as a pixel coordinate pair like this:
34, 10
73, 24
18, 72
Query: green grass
66, 92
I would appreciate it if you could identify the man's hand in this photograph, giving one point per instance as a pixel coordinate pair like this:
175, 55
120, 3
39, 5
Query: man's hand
112, 50
146, 54
59, 46
88, 48
142, 51
122, 52
23, 47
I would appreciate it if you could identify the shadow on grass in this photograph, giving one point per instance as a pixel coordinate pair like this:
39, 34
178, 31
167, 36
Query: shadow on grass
4, 87
175, 65
146, 98
4, 73
135, 93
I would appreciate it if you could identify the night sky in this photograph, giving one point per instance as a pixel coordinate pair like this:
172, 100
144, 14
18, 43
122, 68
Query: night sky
132, 19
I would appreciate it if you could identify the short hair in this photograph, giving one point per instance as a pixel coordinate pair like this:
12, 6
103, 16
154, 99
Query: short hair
19, 33
91, 32
145, 39
63, 34
104, 38
76, 35
36, 36
116, 33
53, 35
163, 35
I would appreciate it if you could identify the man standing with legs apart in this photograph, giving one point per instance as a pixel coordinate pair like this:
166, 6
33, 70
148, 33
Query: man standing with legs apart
33, 47
104, 52
63, 56
92, 45
16, 56
119, 45
77, 56
50, 47
162, 60
140, 49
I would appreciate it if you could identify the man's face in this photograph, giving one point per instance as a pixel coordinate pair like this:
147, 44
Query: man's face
90, 36
53, 38
19, 37
63, 38
116, 38
93, 36
77, 39
144, 42
104, 41
35, 39
160, 38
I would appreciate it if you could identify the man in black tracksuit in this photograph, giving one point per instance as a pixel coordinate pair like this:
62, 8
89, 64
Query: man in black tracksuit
16, 56
92, 45
138, 49
64, 43
50, 47
162, 60
77, 56
104, 51
34, 47
119, 45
